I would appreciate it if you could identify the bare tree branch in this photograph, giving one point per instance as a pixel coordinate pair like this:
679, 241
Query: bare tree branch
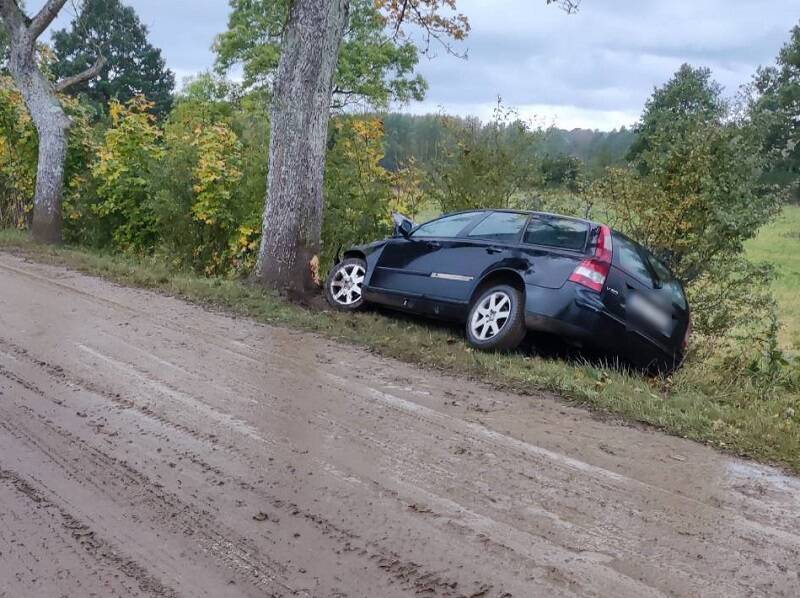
86, 75
401, 18
45, 16
571, 6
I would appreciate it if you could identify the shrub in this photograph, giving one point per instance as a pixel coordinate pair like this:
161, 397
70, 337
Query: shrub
360, 194
18, 149
122, 175
485, 165
207, 207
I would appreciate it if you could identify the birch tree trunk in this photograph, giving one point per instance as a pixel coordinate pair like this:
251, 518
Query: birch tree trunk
288, 257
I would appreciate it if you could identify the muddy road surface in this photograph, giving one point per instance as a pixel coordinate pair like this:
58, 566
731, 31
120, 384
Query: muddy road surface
152, 448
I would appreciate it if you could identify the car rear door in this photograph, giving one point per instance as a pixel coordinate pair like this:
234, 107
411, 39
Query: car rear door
491, 244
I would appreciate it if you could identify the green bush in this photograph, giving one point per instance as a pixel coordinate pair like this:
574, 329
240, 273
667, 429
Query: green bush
124, 187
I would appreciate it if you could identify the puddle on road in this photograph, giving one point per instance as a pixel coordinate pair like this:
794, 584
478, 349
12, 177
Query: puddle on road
759, 481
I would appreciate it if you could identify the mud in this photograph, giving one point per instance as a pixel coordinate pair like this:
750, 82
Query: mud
152, 448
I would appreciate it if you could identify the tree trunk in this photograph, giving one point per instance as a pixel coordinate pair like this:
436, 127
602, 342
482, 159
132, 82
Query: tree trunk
288, 258
52, 125
47, 215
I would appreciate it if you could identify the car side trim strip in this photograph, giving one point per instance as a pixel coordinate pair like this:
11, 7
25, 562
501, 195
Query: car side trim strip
458, 277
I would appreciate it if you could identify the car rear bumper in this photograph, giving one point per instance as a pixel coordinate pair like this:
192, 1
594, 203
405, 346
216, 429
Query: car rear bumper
578, 314
573, 312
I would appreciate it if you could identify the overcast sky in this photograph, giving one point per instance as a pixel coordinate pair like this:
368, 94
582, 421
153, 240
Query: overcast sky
594, 69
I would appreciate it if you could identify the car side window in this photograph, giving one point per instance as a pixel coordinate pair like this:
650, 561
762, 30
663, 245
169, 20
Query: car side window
449, 226
667, 281
631, 260
503, 227
557, 232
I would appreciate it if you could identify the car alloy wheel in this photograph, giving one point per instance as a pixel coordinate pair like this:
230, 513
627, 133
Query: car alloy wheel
496, 320
490, 316
346, 283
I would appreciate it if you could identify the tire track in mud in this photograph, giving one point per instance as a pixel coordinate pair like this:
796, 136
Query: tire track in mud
80, 537
471, 523
504, 504
409, 574
166, 511
485, 527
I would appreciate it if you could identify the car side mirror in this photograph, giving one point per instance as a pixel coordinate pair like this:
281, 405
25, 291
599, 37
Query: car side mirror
402, 225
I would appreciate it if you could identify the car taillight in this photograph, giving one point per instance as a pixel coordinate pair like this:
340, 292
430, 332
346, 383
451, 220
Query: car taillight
592, 272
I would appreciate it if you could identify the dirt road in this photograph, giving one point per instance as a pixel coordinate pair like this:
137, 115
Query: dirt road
152, 448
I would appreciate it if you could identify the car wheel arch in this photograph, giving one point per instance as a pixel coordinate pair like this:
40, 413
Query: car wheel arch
497, 277
354, 253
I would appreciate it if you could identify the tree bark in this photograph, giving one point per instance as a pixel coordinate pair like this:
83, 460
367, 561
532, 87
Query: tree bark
292, 222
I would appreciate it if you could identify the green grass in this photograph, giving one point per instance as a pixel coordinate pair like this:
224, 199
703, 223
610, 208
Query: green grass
779, 245
729, 418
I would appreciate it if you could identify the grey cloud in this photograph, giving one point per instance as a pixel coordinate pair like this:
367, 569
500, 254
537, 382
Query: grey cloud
608, 57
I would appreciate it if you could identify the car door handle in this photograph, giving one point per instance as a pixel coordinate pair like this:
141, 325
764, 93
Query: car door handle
494, 250
433, 244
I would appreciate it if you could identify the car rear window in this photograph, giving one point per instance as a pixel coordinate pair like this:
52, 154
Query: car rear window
503, 227
563, 233
667, 281
631, 259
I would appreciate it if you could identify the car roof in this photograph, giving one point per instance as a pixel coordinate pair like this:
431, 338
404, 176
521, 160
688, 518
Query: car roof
527, 212
590, 223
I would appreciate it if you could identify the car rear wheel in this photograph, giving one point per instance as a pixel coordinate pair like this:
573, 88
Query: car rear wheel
343, 287
496, 320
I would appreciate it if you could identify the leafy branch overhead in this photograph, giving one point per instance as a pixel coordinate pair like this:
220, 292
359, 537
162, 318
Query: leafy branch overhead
439, 20
373, 68
426, 15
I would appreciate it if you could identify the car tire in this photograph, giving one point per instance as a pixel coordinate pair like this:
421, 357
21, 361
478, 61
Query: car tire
496, 320
344, 284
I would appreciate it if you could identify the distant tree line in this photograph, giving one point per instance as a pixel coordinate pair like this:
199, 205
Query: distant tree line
563, 152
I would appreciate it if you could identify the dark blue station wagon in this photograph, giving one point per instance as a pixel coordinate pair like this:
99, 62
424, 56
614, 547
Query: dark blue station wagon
505, 272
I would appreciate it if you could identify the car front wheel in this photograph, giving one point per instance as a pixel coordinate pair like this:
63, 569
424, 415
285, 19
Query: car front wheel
344, 285
496, 320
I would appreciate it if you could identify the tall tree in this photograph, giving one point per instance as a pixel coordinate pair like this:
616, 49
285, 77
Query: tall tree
40, 96
691, 95
302, 90
288, 258
777, 109
133, 66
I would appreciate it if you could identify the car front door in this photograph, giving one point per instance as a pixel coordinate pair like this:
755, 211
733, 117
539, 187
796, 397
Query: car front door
426, 264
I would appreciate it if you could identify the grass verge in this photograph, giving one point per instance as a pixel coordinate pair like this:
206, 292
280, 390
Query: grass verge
730, 419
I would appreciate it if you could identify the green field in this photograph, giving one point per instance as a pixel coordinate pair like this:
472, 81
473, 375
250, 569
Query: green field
779, 245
